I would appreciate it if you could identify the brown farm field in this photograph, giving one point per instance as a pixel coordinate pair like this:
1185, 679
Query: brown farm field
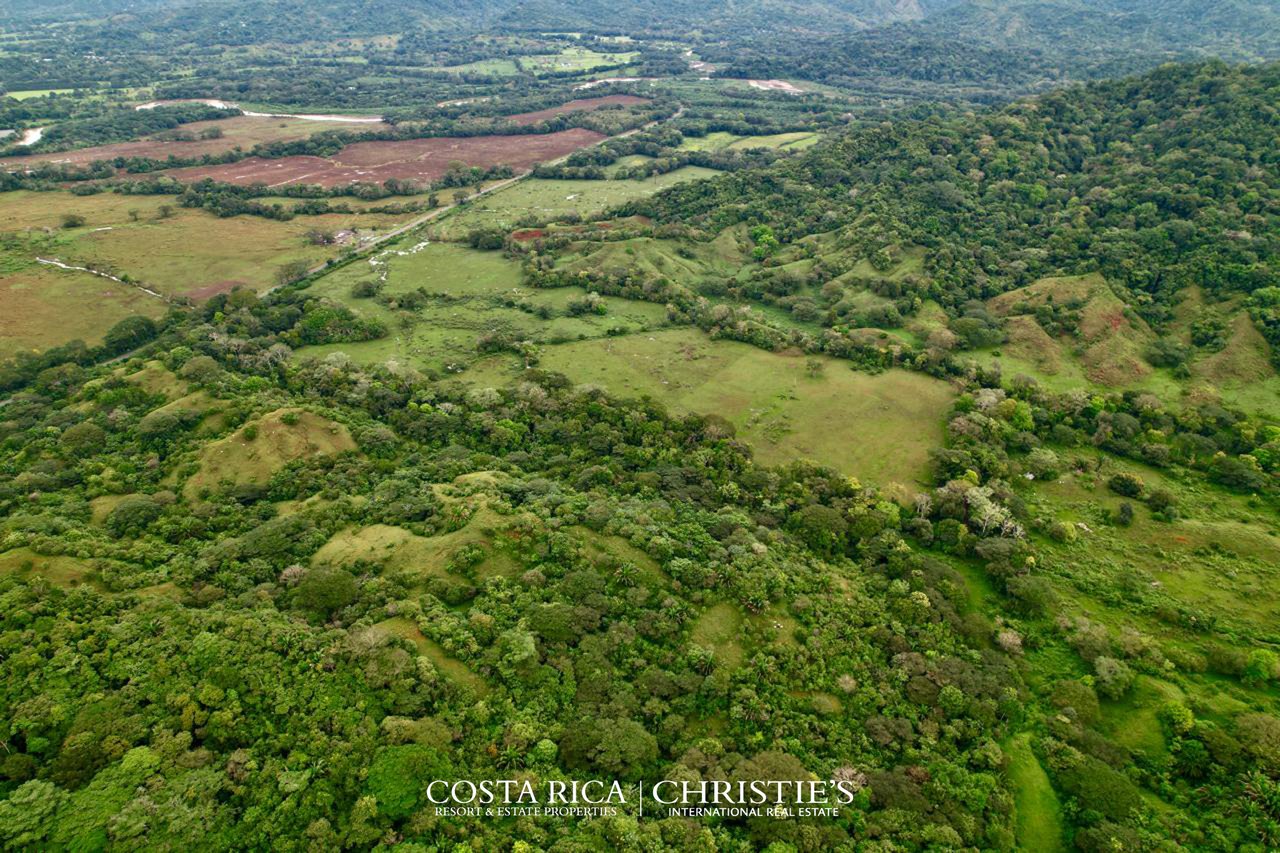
578, 105
238, 132
410, 159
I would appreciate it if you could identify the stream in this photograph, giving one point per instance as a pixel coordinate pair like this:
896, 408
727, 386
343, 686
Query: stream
53, 262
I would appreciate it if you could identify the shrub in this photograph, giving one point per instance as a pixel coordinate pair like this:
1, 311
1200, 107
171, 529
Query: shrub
1114, 677
1129, 485
326, 589
132, 515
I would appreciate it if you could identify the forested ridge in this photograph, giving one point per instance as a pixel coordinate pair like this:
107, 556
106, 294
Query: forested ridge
1159, 182
987, 51
918, 431
613, 592
259, 706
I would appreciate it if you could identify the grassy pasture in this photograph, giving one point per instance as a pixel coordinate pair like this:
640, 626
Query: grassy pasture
721, 140
719, 630
42, 306
876, 427
244, 457
1219, 560
1038, 821
190, 252
542, 200
471, 293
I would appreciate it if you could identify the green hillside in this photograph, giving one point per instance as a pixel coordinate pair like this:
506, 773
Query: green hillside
929, 453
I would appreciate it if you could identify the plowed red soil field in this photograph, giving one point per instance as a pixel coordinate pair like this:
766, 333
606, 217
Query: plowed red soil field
242, 131
410, 159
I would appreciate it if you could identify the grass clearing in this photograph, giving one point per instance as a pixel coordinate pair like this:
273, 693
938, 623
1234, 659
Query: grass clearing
401, 550
468, 293
450, 667
879, 428
574, 59
259, 449
154, 378
719, 629
569, 60
723, 140
28, 94
1038, 817
1134, 721
540, 200
776, 626
188, 253
62, 571
688, 262
101, 506
606, 548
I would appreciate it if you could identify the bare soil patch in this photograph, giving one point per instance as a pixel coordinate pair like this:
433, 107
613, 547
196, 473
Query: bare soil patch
410, 159
775, 86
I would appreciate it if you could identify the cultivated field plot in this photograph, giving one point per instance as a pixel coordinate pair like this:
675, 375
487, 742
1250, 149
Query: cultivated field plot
571, 59
876, 427
238, 132
578, 105
410, 159
536, 199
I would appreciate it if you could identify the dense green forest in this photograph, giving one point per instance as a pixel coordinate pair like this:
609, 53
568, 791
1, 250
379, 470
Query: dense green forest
884, 394
989, 50
1159, 182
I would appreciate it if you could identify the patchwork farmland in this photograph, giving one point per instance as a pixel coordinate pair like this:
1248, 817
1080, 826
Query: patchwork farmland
410, 159
243, 132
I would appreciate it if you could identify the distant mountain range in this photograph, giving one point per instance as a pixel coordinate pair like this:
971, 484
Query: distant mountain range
346, 16
975, 49
989, 49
